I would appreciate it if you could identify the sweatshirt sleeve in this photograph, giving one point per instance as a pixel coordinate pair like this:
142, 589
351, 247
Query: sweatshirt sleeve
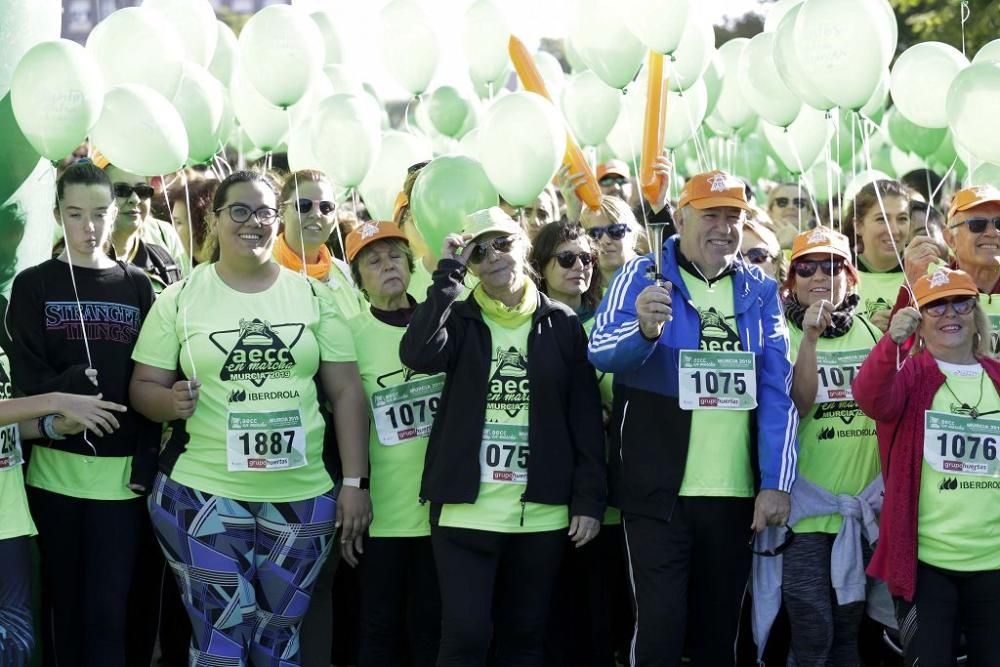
587, 430
778, 420
616, 343
879, 388
31, 370
429, 343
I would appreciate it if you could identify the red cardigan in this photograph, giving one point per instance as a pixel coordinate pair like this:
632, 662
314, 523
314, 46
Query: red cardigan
896, 400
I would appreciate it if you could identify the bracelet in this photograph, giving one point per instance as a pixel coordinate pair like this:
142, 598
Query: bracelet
49, 429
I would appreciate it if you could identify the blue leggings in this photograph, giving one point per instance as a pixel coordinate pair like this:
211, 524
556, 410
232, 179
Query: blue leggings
245, 570
16, 637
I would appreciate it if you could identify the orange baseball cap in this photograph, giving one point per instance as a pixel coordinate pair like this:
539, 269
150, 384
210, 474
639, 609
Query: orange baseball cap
973, 197
821, 240
943, 282
612, 168
368, 233
713, 189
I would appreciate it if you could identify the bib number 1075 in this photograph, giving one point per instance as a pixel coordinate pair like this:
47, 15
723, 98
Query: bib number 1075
717, 380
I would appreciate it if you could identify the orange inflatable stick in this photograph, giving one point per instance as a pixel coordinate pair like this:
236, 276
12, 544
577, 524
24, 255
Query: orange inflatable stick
589, 193
654, 127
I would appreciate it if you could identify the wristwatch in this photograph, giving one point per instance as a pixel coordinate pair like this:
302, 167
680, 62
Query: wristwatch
356, 482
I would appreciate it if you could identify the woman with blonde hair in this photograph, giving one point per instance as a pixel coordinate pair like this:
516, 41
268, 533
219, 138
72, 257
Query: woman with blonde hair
615, 230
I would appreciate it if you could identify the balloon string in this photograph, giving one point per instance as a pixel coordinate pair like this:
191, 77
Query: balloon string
698, 149
966, 13
798, 162
881, 204
187, 202
406, 115
635, 170
839, 173
854, 177
944, 179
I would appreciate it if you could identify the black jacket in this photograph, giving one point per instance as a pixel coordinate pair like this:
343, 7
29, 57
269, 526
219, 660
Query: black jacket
565, 433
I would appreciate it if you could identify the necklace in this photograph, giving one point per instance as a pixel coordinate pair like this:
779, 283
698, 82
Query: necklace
711, 287
972, 411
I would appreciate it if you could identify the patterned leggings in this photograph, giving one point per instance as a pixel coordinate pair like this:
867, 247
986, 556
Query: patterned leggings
245, 570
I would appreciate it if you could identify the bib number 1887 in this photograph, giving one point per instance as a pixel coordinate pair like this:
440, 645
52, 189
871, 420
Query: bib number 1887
275, 442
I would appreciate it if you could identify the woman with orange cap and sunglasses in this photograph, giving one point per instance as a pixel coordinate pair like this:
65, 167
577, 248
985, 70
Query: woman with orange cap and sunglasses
515, 459
838, 458
937, 410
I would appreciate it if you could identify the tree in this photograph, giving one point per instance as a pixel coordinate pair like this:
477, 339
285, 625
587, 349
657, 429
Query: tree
934, 20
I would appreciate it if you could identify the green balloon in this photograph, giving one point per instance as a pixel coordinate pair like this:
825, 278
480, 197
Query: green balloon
713, 81
753, 159
912, 138
19, 156
448, 110
446, 191
945, 155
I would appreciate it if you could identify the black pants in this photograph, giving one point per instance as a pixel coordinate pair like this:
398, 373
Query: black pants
16, 624
823, 632
946, 605
696, 567
495, 585
88, 551
400, 603
316, 636
592, 614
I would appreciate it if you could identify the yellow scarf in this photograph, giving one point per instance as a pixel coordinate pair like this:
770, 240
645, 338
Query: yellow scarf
290, 259
509, 318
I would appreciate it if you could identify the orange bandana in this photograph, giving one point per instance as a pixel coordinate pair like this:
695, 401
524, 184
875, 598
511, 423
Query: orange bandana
293, 260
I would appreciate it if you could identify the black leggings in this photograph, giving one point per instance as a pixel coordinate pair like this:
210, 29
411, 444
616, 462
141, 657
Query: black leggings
499, 586
88, 550
16, 632
400, 603
946, 605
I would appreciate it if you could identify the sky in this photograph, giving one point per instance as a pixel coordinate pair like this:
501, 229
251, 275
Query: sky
529, 19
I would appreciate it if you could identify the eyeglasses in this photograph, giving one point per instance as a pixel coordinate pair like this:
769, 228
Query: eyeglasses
567, 258
501, 245
615, 232
241, 213
303, 205
613, 179
757, 255
783, 202
776, 551
977, 225
124, 190
961, 306
805, 268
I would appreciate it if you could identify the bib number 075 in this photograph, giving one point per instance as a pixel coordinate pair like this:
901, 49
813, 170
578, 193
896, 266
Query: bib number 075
504, 455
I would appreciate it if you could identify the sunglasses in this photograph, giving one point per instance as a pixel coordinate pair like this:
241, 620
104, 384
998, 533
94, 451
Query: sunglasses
783, 202
978, 225
615, 232
124, 190
303, 205
757, 255
777, 551
567, 258
961, 306
613, 180
805, 268
501, 245
241, 213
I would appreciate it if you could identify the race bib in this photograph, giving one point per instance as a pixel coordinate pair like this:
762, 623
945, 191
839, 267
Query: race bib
717, 380
406, 411
960, 444
503, 455
837, 370
265, 441
10, 447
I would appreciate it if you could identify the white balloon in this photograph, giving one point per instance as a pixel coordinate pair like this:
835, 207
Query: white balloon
135, 45
140, 131
718, 126
226, 54
986, 174
801, 144
659, 24
732, 107
989, 53
409, 45
485, 37
200, 101
469, 145
551, 72
903, 162
344, 79
685, 113
604, 43
346, 137
789, 64
281, 51
920, 81
625, 138
300, 147
879, 97
693, 55
761, 84
398, 151
329, 29
194, 22
265, 124
973, 108
590, 107
777, 12
859, 181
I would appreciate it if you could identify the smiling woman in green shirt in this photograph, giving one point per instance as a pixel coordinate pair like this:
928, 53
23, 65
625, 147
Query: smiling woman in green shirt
243, 506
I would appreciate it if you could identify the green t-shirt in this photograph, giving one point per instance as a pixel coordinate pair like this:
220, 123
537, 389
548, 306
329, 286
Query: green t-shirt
605, 381
257, 433
718, 460
958, 525
838, 450
348, 299
15, 519
503, 455
79, 476
878, 291
402, 405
